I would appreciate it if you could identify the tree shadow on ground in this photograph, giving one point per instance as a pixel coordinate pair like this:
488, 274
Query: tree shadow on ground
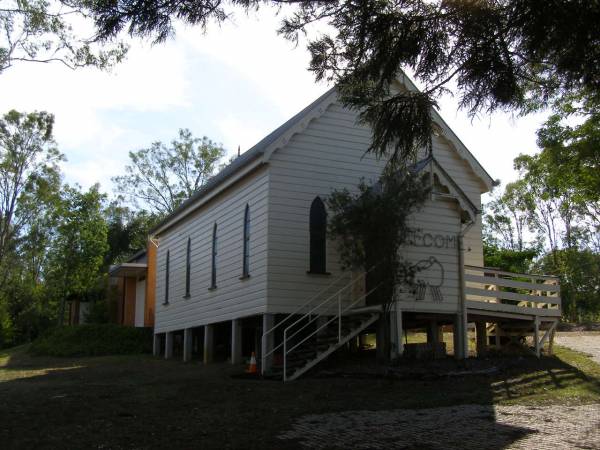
142, 402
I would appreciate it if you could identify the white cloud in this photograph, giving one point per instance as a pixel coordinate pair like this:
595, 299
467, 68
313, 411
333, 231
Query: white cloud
238, 131
251, 46
496, 139
235, 83
151, 79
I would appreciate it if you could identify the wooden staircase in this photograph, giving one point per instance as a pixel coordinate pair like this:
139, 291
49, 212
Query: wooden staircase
317, 345
319, 327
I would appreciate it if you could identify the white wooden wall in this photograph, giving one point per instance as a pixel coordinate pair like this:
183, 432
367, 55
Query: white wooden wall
330, 154
439, 224
324, 156
463, 175
233, 297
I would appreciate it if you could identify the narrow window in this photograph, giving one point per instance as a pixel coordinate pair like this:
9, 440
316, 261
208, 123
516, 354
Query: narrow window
213, 272
188, 267
246, 255
318, 236
167, 279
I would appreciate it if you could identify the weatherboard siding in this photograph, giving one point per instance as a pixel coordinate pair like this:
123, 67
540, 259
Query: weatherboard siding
233, 297
439, 224
462, 173
330, 154
326, 155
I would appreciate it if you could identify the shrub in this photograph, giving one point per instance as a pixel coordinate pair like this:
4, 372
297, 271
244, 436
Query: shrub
98, 312
93, 340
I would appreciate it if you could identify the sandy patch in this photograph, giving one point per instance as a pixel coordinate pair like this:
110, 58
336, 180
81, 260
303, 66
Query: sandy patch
582, 342
460, 427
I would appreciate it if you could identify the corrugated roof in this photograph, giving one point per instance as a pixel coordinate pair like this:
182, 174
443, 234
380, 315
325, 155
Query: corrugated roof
249, 155
258, 150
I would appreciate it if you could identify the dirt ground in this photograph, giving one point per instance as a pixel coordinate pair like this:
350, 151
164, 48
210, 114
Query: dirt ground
139, 402
585, 342
463, 426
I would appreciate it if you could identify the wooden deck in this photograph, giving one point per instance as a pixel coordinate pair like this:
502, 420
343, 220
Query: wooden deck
493, 292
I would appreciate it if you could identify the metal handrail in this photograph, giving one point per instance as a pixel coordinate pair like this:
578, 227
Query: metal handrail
327, 300
290, 316
314, 317
308, 314
319, 307
333, 319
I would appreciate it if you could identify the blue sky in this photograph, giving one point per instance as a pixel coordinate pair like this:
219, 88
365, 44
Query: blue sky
233, 84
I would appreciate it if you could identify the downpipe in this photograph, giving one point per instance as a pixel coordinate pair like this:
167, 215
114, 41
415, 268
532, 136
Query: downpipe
462, 287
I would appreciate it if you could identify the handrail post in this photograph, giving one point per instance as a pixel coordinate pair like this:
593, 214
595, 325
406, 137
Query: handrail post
339, 317
285, 354
263, 357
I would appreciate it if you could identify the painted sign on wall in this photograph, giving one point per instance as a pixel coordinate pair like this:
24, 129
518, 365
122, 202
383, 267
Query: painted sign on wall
434, 240
429, 271
434, 272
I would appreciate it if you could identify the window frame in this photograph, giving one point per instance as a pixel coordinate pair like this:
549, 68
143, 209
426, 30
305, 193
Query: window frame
317, 237
246, 244
188, 268
167, 280
213, 268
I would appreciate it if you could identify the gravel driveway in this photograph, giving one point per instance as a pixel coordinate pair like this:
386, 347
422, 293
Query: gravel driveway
457, 427
582, 342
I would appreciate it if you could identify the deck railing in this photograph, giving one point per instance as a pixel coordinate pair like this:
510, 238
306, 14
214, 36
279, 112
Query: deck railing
522, 290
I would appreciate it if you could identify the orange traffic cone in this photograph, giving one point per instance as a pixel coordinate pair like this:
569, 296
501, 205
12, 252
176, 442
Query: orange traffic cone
252, 367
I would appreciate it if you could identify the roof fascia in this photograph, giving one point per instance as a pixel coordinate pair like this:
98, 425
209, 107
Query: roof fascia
460, 148
316, 111
234, 178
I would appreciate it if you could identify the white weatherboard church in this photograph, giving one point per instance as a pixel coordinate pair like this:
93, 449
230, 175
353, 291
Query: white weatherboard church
245, 264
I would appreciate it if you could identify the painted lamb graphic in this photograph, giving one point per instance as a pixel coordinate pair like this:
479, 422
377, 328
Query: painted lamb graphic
433, 270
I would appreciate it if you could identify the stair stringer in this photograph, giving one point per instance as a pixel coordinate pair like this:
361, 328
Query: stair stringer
333, 347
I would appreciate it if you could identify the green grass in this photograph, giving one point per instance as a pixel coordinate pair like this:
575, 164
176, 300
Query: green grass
93, 340
569, 378
139, 401
448, 338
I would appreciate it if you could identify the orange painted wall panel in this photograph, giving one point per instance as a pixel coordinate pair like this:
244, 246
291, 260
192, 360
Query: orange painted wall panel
150, 285
129, 302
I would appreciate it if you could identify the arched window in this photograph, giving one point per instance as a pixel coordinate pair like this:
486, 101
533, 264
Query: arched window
188, 267
318, 236
167, 279
213, 272
246, 238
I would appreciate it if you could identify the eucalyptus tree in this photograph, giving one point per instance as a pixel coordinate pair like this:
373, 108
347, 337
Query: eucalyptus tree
77, 251
29, 170
570, 143
45, 31
507, 216
161, 177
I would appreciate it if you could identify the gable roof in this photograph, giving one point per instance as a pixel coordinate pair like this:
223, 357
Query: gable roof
281, 136
447, 132
258, 150
448, 182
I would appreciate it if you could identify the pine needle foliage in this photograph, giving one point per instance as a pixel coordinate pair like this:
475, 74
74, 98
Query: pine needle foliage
515, 55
